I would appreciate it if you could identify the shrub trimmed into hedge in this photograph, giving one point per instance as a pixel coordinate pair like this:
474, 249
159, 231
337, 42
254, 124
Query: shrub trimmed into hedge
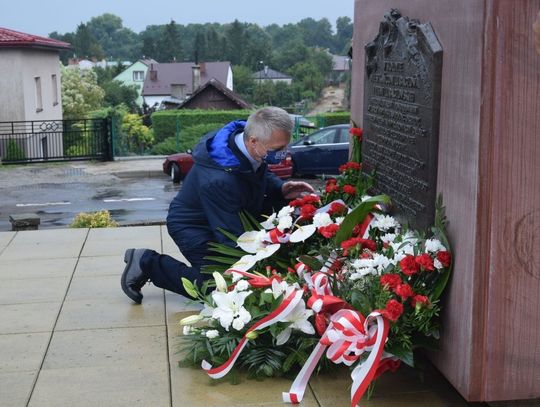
330, 119
188, 138
165, 122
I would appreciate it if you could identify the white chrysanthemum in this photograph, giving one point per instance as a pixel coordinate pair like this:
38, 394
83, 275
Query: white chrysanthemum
339, 220
402, 247
362, 267
322, 219
388, 238
285, 211
438, 265
269, 223
434, 246
285, 222
410, 237
242, 285
380, 262
212, 333
384, 222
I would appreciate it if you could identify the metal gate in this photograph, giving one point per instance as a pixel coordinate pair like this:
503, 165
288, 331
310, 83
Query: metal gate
55, 140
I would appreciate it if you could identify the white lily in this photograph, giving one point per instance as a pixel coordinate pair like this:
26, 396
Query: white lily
230, 309
302, 233
279, 288
192, 319
245, 263
221, 284
251, 241
242, 285
269, 223
299, 318
266, 251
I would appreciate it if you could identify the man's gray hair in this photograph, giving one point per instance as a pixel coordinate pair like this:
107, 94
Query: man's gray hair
263, 122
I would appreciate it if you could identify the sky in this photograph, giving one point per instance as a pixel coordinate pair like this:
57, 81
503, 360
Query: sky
41, 17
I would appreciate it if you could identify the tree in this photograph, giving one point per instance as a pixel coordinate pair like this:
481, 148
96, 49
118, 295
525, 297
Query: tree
344, 33
243, 82
170, 49
236, 42
135, 134
116, 93
85, 44
80, 93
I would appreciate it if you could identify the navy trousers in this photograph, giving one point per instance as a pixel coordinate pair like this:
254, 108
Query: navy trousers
167, 272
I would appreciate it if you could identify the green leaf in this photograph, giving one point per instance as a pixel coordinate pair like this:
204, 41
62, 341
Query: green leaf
357, 216
224, 249
189, 287
228, 234
311, 262
254, 221
219, 259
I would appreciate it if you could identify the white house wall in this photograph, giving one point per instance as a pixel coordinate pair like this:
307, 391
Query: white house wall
11, 99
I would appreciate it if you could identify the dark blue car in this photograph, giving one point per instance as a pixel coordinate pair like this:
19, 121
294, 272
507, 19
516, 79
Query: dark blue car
321, 152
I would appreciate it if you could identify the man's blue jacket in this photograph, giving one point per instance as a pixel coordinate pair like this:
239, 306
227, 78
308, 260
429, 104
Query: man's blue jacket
218, 187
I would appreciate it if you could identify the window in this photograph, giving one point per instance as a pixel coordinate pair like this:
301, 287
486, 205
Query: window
138, 76
323, 137
39, 100
54, 89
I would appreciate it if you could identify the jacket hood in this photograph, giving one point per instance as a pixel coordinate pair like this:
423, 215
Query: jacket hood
217, 149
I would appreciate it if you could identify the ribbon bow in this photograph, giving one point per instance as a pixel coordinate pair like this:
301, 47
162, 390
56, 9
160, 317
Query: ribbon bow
347, 337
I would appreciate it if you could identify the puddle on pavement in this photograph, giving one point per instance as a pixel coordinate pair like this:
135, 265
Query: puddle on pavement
109, 193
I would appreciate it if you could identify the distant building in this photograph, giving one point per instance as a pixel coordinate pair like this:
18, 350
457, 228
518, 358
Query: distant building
214, 95
30, 89
134, 75
85, 64
340, 66
172, 83
271, 75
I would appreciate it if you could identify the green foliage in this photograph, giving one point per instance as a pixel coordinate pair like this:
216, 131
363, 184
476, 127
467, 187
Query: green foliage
187, 139
165, 123
335, 118
80, 93
134, 133
100, 219
14, 152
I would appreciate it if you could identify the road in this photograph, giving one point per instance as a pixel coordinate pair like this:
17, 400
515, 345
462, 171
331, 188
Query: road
57, 193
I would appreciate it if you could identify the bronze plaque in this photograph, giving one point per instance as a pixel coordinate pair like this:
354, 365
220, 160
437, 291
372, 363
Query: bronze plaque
401, 116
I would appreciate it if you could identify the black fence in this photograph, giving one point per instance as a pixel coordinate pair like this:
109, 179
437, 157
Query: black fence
55, 140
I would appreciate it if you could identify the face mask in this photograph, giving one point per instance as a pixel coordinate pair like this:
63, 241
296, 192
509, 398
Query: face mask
275, 156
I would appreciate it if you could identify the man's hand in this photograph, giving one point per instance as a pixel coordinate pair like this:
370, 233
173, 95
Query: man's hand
295, 189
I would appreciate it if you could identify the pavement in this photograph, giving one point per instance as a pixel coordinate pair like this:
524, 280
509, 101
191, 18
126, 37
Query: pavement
70, 337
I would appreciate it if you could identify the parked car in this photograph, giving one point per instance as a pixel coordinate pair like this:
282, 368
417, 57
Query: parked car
178, 165
321, 152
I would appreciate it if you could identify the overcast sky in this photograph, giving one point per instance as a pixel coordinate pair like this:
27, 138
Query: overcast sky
42, 17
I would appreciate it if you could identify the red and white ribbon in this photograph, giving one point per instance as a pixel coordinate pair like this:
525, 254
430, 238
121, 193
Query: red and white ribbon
347, 337
279, 314
277, 236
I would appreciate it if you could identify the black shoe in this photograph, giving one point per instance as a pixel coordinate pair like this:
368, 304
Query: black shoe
133, 277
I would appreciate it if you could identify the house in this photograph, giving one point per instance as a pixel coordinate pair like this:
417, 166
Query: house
341, 65
172, 83
214, 95
30, 91
267, 75
134, 75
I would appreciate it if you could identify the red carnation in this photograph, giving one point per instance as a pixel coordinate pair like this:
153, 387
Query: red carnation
310, 199
369, 244
445, 258
409, 266
350, 243
331, 181
404, 291
425, 261
393, 310
295, 203
351, 165
356, 132
331, 188
349, 189
390, 280
307, 211
419, 299
329, 231
337, 208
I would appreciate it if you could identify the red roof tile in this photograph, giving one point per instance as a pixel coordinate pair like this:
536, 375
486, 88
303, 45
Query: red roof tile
16, 39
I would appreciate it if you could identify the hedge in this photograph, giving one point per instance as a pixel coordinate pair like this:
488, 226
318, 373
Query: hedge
187, 139
329, 119
164, 122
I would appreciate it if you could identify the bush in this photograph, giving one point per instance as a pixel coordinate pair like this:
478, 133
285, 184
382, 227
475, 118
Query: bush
335, 118
164, 122
100, 219
188, 138
14, 152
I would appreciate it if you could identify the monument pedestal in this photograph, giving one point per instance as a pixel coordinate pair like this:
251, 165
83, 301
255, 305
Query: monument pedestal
489, 174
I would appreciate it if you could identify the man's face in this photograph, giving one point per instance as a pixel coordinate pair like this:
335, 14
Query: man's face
278, 141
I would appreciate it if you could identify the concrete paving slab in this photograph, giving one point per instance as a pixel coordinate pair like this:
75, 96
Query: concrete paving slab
37, 268
35, 290
100, 266
117, 313
177, 305
170, 248
193, 387
115, 241
105, 288
111, 386
22, 352
136, 348
28, 318
5, 238
45, 244
15, 388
